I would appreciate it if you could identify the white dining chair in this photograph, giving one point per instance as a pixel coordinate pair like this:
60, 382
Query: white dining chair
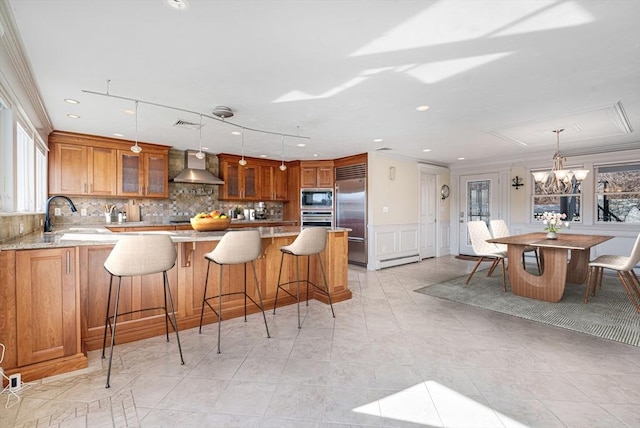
499, 229
479, 233
623, 265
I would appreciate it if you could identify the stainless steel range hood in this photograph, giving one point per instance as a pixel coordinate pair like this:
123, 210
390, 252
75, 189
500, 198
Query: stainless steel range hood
195, 171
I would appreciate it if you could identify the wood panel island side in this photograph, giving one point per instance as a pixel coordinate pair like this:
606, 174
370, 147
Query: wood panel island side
54, 292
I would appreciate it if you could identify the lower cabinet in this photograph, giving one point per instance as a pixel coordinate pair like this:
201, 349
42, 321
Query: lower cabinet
47, 316
136, 293
40, 312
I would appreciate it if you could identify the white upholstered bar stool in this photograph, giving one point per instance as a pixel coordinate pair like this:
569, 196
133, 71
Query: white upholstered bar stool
235, 247
311, 241
479, 233
623, 266
137, 255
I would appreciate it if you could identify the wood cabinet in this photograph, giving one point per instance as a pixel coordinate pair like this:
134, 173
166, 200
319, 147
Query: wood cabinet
273, 183
89, 165
240, 182
82, 170
142, 174
316, 174
259, 180
47, 305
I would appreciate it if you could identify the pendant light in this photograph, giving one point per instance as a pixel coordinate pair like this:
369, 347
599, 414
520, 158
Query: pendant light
282, 166
200, 155
559, 181
136, 148
242, 161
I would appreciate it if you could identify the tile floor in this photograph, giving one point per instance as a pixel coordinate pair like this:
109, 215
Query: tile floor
391, 358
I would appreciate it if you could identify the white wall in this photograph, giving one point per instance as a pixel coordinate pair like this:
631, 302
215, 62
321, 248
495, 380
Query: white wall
393, 210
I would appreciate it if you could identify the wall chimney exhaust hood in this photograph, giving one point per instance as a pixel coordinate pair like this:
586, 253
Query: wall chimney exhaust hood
195, 171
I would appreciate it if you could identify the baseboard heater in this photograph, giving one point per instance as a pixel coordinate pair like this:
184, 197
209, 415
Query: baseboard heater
396, 261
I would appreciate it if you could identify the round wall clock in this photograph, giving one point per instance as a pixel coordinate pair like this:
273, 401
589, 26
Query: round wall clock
444, 191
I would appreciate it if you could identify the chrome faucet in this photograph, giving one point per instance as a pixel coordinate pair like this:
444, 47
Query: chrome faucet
47, 219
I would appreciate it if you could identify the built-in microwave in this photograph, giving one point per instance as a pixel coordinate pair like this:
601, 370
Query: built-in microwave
316, 199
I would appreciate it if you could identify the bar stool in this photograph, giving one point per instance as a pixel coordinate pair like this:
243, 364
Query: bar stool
235, 247
312, 240
136, 255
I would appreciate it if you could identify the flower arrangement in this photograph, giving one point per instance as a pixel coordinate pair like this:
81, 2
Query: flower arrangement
554, 221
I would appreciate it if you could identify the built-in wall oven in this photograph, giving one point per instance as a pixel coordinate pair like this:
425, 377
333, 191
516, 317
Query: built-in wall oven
320, 218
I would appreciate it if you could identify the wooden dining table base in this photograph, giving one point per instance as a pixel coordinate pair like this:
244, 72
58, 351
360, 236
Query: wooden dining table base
565, 259
549, 285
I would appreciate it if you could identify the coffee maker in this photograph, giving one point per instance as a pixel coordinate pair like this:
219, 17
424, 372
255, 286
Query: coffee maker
261, 211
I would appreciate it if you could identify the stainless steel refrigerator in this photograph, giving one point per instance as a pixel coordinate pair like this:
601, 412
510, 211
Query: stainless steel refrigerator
351, 209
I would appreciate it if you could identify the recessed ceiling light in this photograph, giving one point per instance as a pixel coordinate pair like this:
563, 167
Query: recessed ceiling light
460, 158
426, 150
263, 156
178, 4
71, 101
236, 133
116, 134
378, 140
73, 116
301, 144
422, 108
315, 155
205, 148
131, 112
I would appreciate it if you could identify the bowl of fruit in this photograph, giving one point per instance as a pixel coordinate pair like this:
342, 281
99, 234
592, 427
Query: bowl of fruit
206, 222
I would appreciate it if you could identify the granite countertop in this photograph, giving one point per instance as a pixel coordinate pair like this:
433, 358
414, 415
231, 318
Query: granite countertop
87, 236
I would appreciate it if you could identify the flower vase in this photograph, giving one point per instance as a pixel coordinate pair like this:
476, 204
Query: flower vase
552, 235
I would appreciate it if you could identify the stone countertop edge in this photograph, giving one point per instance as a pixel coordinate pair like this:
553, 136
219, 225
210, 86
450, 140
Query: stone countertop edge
52, 240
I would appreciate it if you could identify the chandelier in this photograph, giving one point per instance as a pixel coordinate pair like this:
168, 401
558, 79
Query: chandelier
559, 180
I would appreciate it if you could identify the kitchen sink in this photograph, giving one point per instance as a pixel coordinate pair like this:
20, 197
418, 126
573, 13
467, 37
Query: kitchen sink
109, 236
89, 230
100, 237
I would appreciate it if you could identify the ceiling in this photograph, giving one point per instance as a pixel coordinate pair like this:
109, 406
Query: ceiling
498, 76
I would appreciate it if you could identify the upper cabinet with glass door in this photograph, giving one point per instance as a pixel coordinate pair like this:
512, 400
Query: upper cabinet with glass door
84, 165
142, 174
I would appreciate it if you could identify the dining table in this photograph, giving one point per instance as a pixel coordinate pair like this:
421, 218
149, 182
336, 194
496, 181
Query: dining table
562, 260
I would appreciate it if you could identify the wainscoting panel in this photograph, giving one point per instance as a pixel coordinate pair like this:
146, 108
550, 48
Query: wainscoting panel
393, 245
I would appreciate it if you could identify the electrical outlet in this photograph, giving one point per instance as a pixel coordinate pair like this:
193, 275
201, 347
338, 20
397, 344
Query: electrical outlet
21, 228
15, 382
83, 212
57, 211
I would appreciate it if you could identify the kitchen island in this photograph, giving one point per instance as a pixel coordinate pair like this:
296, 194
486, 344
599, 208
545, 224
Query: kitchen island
53, 290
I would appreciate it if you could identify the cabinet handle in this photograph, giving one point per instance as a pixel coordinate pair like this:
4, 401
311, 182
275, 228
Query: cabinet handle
91, 188
85, 187
68, 262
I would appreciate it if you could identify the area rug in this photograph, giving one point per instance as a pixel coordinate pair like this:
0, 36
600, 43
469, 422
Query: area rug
609, 315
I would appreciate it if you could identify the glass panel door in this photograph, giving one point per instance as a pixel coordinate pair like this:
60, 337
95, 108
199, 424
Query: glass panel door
480, 194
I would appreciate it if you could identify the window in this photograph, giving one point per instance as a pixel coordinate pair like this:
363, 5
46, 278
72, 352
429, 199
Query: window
25, 178
41, 178
618, 193
569, 204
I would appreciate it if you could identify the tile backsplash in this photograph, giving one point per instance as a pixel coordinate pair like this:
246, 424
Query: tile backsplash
185, 200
